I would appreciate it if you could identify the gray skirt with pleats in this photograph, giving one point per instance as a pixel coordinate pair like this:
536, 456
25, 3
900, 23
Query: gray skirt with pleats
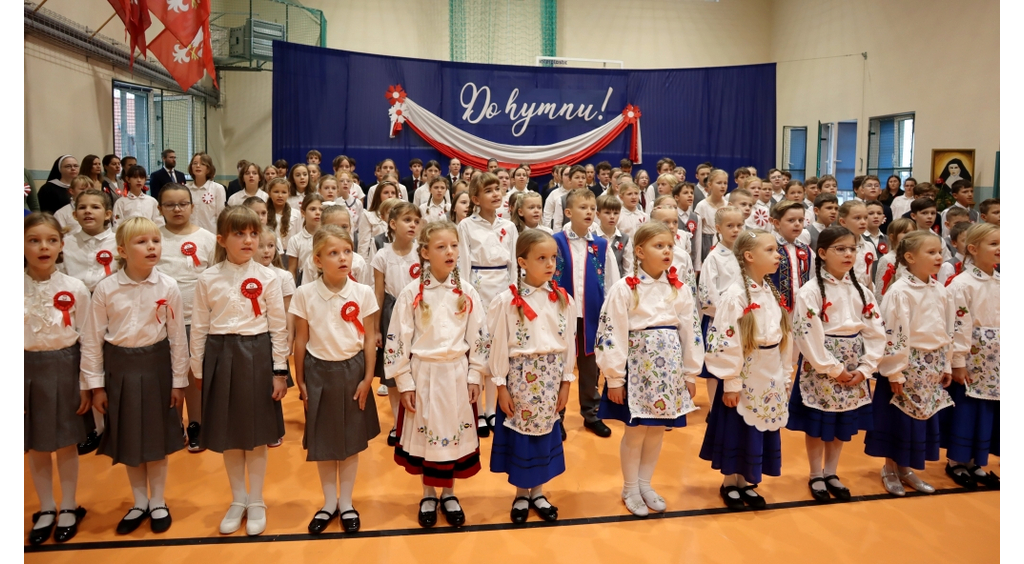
52, 396
335, 426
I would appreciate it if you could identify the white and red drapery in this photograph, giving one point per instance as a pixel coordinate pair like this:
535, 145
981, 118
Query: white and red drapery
475, 151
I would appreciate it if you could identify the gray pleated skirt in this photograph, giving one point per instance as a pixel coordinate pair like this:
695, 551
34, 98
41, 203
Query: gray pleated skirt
52, 396
335, 426
141, 424
239, 411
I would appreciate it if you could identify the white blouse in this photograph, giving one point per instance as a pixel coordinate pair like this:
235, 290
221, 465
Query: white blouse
725, 358
184, 258
659, 304
706, 212
760, 218
143, 205
443, 337
300, 247
434, 212
398, 270
83, 253
720, 271
287, 281
45, 329
66, 218
487, 244
358, 271
208, 201
630, 221
370, 225
422, 196
976, 299
355, 211
237, 198
333, 336
866, 255
844, 316
883, 266
553, 216
131, 314
917, 315
294, 226
221, 309
553, 331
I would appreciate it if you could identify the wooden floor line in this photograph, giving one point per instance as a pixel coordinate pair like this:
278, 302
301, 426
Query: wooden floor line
293, 537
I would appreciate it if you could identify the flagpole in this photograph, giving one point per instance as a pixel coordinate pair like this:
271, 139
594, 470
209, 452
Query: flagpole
39, 6
102, 26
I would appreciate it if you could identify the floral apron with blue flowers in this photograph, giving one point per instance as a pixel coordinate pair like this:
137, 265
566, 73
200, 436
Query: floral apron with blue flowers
983, 364
764, 403
923, 395
656, 386
822, 392
533, 382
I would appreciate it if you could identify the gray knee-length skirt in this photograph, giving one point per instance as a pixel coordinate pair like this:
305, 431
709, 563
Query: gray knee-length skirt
239, 411
335, 426
52, 396
141, 425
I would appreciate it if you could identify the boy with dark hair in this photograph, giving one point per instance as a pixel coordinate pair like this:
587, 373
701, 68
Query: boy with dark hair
626, 165
700, 191
989, 211
603, 181
413, 181
963, 193
795, 257
683, 193
313, 157
826, 208
957, 246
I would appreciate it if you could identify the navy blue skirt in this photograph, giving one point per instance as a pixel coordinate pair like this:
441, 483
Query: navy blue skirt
896, 435
970, 429
825, 425
733, 447
611, 410
705, 322
529, 461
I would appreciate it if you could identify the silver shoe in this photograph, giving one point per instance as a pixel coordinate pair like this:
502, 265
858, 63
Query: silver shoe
892, 482
909, 478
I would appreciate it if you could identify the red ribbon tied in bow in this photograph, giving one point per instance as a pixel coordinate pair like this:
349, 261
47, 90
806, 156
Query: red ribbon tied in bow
824, 316
188, 248
105, 257
64, 301
867, 310
751, 307
350, 313
673, 278
252, 289
162, 303
414, 270
632, 282
419, 297
887, 277
555, 290
520, 303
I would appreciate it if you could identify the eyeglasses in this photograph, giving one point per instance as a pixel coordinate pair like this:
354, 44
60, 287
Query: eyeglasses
176, 206
844, 250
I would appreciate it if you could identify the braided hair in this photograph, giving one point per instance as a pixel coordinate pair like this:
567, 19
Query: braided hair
524, 243
424, 243
643, 234
826, 239
748, 323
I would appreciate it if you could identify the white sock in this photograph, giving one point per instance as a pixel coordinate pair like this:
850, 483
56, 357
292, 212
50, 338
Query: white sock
98, 417
732, 480
428, 506
256, 467
67, 469
347, 478
41, 467
649, 454
137, 479
815, 452
449, 504
833, 449
520, 504
979, 471
328, 470
630, 449
492, 397
537, 492
156, 474
393, 399
234, 463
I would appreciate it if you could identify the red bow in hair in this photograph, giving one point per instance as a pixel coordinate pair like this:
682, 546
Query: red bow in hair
519, 302
673, 278
824, 306
867, 311
784, 304
887, 277
159, 304
632, 282
419, 297
555, 290
751, 307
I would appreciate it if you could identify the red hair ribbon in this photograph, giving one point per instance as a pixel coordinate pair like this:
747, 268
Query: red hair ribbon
64, 301
673, 278
188, 248
866, 312
252, 289
105, 257
468, 308
419, 297
352, 278
751, 307
163, 303
555, 290
414, 270
824, 316
887, 277
518, 301
632, 282
784, 304
350, 313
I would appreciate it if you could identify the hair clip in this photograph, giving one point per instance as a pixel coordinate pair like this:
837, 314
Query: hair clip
752, 234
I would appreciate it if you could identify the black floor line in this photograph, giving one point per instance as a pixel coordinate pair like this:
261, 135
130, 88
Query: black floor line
443, 529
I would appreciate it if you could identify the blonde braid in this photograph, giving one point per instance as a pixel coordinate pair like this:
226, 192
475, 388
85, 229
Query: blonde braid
461, 303
748, 323
424, 307
636, 274
519, 290
786, 324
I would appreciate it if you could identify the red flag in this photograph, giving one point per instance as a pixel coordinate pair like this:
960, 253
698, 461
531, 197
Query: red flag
184, 62
135, 16
185, 19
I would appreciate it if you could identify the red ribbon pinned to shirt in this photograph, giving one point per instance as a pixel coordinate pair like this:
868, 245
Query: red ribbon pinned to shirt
414, 270
555, 290
882, 247
751, 308
350, 313
105, 257
824, 316
868, 259
887, 277
419, 297
64, 301
518, 301
252, 289
188, 248
673, 278
163, 303
501, 239
691, 226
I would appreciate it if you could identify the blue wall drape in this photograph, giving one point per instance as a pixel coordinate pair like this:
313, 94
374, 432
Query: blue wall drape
333, 101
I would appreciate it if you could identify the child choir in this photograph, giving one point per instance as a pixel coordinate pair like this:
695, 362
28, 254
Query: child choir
479, 312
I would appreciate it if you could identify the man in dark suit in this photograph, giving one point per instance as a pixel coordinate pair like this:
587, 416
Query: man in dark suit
412, 182
603, 178
234, 186
531, 184
454, 171
165, 175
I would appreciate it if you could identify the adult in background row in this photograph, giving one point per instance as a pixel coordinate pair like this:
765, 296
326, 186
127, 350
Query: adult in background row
54, 194
166, 174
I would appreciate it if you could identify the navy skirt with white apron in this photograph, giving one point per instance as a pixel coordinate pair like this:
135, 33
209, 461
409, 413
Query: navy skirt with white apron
335, 426
824, 408
52, 396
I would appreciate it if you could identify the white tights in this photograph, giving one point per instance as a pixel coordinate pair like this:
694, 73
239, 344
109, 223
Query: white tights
638, 455
148, 481
338, 479
823, 458
237, 462
40, 465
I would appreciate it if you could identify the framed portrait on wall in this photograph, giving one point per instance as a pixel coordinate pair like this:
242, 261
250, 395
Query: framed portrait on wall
948, 166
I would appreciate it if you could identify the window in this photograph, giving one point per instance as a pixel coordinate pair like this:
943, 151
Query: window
794, 151
149, 120
891, 146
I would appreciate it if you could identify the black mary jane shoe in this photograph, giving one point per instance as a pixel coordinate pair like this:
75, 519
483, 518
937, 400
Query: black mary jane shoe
549, 513
39, 536
964, 478
519, 516
317, 526
483, 430
819, 495
842, 493
392, 438
428, 519
128, 525
91, 443
733, 503
754, 501
64, 534
350, 524
989, 480
455, 518
160, 524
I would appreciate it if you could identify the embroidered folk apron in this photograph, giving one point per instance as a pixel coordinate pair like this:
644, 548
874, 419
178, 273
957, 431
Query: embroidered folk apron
983, 364
923, 395
656, 386
764, 403
822, 392
533, 382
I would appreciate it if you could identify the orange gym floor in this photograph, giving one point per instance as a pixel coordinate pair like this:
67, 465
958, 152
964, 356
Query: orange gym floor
593, 526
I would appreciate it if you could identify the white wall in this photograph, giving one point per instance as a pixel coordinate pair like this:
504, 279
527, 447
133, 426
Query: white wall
938, 59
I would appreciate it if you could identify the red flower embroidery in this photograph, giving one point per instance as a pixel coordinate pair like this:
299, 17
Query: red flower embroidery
729, 332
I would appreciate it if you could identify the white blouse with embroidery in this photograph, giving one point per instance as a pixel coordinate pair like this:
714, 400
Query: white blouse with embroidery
45, 329
976, 299
917, 315
720, 270
553, 331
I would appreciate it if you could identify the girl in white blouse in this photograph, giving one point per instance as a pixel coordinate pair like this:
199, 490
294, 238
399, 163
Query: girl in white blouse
488, 248
240, 355
436, 206
533, 353
436, 322
56, 391
918, 315
970, 430
748, 348
370, 222
281, 216
394, 267
720, 271
267, 255
888, 270
650, 352
89, 254
135, 353
334, 342
209, 197
300, 245
298, 182
839, 333
188, 251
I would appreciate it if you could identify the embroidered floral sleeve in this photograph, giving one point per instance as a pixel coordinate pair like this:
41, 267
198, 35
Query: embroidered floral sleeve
896, 315
724, 357
479, 340
688, 327
397, 362
706, 293
963, 325
497, 325
809, 332
612, 342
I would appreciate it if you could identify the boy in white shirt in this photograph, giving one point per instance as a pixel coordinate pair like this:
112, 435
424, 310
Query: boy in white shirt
135, 203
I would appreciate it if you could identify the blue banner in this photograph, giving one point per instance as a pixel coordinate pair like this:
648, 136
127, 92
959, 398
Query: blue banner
334, 101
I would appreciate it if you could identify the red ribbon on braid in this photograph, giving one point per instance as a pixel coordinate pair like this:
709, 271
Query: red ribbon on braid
555, 290
468, 308
867, 311
350, 313
824, 306
419, 297
673, 278
518, 301
159, 304
751, 308
632, 282
890, 271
